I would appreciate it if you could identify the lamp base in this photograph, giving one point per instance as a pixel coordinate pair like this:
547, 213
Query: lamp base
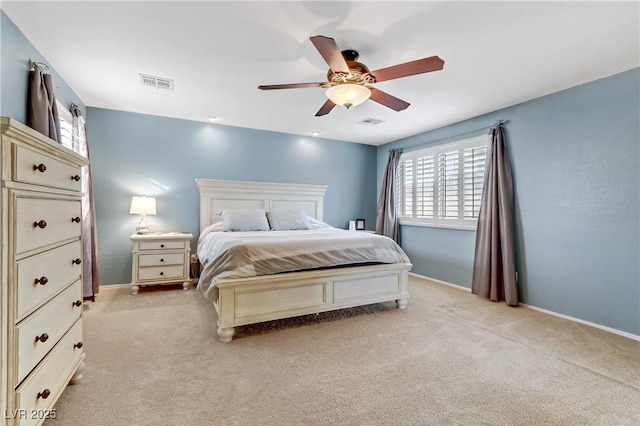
142, 226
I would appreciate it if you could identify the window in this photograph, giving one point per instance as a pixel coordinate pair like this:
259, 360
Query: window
66, 126
442, 185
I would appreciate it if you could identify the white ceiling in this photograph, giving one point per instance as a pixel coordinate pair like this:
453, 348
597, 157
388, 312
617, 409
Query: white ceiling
496, 54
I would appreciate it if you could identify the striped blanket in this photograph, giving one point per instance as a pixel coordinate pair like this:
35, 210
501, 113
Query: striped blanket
250, 254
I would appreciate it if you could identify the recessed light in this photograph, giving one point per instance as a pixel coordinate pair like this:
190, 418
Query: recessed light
212, 118
315, 133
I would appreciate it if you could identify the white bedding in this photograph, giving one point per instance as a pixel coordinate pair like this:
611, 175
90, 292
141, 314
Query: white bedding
249, 254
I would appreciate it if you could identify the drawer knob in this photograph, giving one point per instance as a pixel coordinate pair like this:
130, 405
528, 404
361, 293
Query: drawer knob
42, 338
42, 280
75, 177
40, 167
76, 261
75, 219
77, 345
77, 303
41, 224
161, 260
161, 245
44, 394
161, 273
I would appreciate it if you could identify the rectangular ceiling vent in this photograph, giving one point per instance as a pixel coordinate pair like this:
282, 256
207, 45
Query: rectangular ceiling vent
370, 121
157, 82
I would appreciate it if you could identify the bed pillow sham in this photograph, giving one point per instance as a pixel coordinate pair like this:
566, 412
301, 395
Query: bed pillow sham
244, 220
288, 220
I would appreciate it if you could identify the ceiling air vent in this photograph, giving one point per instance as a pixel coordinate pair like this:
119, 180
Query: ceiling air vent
157, 82
370, 121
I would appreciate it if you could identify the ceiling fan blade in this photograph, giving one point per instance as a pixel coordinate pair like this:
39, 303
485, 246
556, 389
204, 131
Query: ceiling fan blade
290, 86
432, 63
387, 100
326, 108
330, 52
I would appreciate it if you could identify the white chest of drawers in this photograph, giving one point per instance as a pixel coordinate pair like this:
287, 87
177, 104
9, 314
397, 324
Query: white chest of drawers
160, 258
41, 300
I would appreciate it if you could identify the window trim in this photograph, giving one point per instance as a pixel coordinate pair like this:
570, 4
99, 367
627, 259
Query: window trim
435, 151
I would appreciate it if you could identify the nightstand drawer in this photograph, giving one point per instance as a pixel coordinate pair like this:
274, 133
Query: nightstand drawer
42, 276
161, 245
43, 387
35, 167
161, 259
42, 221
39, 332
159, 273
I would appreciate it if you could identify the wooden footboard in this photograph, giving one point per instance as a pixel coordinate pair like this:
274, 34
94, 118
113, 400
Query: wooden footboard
257, 299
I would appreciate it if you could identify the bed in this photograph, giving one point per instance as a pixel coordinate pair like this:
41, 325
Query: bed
249, 293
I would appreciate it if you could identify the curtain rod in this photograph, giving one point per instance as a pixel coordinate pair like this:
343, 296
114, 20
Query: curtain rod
451, 138
39, 65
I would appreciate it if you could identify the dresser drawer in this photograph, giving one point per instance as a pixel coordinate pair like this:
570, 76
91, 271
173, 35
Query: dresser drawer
43, 221
161, 245
38, 168
51, 377
161, 259
159, 273
49, 323
40, 277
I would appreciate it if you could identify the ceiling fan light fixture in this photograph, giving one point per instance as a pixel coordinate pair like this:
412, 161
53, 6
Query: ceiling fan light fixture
348, 95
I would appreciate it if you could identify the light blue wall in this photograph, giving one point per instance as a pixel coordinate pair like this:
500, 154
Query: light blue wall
575, 157
15, 53
129, 151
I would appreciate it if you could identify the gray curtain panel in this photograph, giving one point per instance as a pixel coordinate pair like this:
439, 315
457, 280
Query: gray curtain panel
494, 266
386, 220
42, 111
90, 282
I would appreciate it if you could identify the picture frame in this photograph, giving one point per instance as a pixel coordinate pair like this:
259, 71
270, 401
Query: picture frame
359, 224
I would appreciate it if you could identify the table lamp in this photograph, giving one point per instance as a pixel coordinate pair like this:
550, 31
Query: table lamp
142, 206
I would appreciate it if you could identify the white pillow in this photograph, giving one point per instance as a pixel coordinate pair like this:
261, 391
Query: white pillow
244, 220
288, 220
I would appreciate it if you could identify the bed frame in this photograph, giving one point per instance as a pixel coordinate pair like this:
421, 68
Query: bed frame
245, 301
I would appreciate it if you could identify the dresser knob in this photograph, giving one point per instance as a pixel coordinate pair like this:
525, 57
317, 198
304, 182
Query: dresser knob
42, 280
161, 273
75, 177
77, 345
75, 219
76, 303
76, 261
161, 260
40, 167
42, 224
161, 245
44, 394
42, 338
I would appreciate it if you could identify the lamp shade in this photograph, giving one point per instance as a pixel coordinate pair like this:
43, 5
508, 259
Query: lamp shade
348, 95
143, 205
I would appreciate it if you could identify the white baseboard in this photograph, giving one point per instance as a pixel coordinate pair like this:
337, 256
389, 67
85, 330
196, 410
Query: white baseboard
108, 286
591, 324
544, 311
422, 277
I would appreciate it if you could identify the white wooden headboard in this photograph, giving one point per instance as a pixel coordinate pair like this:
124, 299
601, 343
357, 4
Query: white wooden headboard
217, 195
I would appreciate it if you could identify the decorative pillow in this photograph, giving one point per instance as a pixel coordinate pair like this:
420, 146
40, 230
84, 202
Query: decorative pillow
288, 220
244, 220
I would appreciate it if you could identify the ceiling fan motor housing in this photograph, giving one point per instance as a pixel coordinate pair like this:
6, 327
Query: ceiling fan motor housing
359, 74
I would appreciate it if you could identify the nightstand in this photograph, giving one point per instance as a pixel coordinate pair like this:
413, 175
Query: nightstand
160, 258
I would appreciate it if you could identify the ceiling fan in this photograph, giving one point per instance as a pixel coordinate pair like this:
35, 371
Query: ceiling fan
350, 82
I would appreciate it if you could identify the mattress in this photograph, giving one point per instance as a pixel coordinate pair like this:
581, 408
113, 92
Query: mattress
250, 254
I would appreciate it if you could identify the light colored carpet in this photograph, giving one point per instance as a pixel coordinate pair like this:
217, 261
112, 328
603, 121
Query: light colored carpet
450, 358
